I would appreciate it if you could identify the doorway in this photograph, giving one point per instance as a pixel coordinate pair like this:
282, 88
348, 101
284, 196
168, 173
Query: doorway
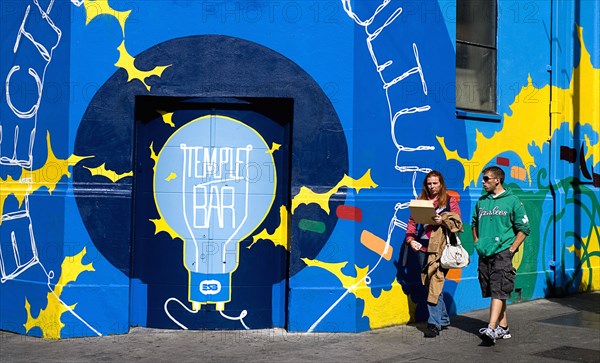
211, 187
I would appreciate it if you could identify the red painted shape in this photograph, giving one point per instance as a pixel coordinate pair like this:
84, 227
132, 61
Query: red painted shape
502, 161
348, 212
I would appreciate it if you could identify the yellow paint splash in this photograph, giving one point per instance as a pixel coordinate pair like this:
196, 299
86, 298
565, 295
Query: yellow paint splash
530, 107
107, 173
279, 237
273, 148
126, 61
392, 306
590, 263
48, 175
167, 117
588, 142
95, 8
160, 225
153, 156
48, 319
307, 196
518, 257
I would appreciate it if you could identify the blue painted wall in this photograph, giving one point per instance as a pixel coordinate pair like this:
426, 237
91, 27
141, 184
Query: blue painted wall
356, 102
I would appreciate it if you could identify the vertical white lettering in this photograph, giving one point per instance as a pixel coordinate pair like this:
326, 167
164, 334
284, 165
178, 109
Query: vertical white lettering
33, 110
395, 106
242, 158
210, 160
224, 160
228, 202
198, 164
201, 214
215, 204
50, 35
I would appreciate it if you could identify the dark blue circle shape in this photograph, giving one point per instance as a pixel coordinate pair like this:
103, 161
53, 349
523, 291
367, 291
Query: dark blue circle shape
206, 66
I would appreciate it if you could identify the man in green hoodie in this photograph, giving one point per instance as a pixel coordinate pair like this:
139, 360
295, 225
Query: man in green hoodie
500, 225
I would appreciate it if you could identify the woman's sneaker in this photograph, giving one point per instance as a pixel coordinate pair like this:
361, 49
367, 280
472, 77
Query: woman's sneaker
502, 333
431, 332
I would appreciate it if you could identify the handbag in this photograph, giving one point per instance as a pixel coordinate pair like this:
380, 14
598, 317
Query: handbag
454, 255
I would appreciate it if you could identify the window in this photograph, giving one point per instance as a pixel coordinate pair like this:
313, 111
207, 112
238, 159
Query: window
476, 23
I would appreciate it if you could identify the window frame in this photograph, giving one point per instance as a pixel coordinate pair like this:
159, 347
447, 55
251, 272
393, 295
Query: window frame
479, 113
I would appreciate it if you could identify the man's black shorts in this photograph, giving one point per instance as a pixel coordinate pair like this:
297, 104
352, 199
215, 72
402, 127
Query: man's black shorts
497, 275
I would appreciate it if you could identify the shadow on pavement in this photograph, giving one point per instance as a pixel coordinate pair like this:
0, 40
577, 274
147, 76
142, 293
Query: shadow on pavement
583, 302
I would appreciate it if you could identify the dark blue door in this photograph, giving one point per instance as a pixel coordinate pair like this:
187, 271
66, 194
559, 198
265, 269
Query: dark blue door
211, 195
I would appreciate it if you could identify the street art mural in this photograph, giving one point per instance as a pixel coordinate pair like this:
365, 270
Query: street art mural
248, 165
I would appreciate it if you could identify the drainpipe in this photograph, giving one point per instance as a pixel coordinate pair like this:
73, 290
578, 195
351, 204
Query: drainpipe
562, 20
554, 267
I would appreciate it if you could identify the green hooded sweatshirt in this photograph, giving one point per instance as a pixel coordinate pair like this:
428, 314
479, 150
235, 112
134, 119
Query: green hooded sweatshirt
498, 219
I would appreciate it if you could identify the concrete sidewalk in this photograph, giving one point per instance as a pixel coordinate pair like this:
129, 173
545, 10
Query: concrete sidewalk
546, 330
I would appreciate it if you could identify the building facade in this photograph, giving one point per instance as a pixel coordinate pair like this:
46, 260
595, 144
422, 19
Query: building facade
241, 165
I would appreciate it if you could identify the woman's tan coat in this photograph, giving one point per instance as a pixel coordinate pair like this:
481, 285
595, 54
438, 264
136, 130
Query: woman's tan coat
433, 274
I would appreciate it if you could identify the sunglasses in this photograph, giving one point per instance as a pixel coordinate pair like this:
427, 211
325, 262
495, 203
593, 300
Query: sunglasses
487, 178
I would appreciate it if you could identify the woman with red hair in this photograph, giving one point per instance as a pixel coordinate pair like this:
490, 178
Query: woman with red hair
428, 241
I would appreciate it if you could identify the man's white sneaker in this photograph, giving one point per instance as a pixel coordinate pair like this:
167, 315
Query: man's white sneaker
488, 335
502, 333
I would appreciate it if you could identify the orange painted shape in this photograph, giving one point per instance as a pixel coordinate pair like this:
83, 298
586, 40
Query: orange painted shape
375, 244
454, 274
518, 173
454, 194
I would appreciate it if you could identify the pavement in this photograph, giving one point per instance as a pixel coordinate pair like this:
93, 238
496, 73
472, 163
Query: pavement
545, 330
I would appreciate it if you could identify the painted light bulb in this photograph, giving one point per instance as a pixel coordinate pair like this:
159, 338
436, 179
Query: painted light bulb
214, 184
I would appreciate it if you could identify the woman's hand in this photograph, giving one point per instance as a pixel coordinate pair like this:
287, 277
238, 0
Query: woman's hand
437, 220
415, 245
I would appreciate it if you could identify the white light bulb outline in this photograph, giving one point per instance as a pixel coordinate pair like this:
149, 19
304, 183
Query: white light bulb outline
188, 227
